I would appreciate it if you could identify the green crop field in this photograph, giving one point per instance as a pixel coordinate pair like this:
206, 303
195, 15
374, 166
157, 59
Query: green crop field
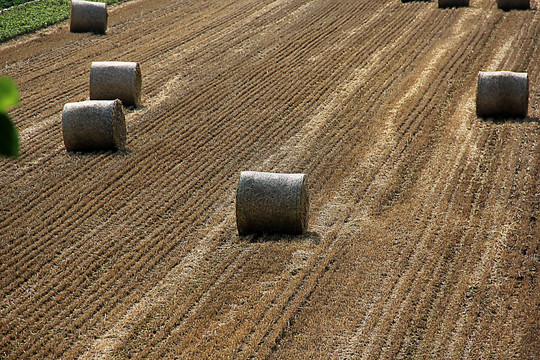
4, 4
32, 16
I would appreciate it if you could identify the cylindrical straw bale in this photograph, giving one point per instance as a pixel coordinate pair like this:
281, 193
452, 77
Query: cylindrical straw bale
453, 3
111, 80
271, 203
502, 94
87, 16
94, 125
513, 4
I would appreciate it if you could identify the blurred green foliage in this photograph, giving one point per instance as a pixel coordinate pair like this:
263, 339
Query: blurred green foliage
9, 137
8, 3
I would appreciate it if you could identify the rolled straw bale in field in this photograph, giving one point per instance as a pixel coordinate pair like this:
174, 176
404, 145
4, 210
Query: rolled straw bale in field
87, 16
502, 94
94, 125
271, 203
111, 80
453, 3
513, 4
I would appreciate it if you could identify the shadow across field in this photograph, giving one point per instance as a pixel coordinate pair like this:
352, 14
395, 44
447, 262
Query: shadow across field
307, 236
505, 120
86, 154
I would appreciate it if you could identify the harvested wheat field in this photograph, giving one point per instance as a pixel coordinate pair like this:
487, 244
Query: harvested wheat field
424, 233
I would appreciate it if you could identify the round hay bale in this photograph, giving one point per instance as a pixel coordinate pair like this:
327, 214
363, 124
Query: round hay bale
87, 16
271, 203
502, 94
513, 4
111, 80
453, 3
94, 125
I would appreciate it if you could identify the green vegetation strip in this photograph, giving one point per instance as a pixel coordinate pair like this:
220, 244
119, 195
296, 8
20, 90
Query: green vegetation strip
8, 3
33, 16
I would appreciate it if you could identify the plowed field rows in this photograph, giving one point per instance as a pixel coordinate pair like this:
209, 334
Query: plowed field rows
424, 238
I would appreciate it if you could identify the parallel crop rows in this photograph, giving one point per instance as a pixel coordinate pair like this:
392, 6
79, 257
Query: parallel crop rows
414, 204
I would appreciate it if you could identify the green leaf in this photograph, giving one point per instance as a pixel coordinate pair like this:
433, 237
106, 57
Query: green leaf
9, 137
9, 95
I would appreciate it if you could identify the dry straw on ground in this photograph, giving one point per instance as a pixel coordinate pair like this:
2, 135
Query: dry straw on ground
502, 94
94, 125
111, 80
513, 4
88, 16
453, 3
271, 203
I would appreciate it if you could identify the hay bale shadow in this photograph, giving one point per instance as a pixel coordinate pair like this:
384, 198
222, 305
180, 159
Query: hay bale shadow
529, 9
132, 109
506, 120
260, 238
107, 153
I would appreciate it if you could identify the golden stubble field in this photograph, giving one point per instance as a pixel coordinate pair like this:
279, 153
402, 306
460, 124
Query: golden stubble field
424, 234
